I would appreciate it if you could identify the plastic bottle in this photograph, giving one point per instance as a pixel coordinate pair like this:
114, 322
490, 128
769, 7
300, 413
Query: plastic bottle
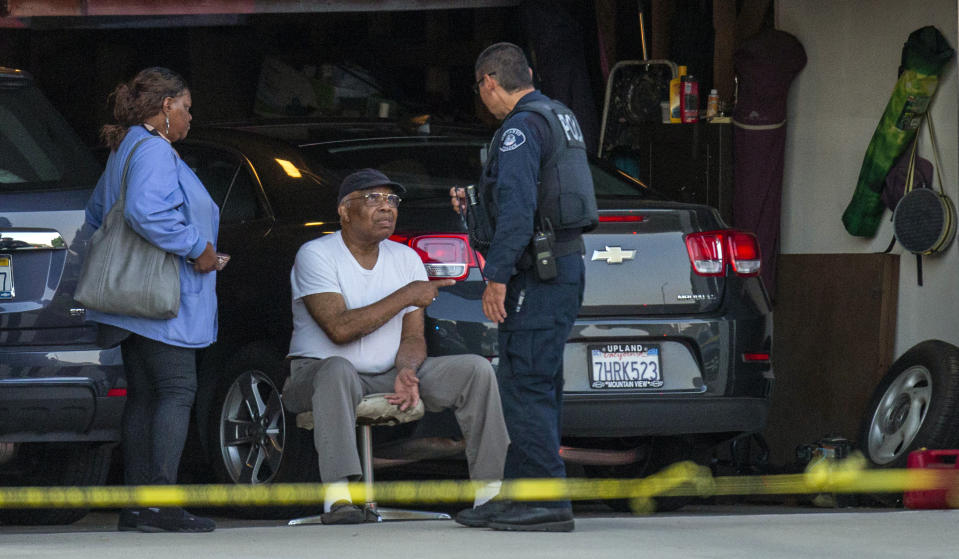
674, 95
712, 104
689, 100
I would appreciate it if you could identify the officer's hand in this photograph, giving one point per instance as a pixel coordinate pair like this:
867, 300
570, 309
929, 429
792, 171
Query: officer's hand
458, 199
422, 293
494, 301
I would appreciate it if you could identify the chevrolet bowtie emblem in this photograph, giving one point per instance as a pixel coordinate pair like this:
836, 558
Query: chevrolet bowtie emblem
613, 255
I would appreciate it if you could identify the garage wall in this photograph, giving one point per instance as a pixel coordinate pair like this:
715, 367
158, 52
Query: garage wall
854, 49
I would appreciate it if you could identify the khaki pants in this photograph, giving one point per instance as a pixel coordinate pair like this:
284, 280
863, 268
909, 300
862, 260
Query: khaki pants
332, 388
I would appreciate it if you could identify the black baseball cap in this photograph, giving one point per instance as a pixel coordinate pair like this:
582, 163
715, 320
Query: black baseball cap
366, 178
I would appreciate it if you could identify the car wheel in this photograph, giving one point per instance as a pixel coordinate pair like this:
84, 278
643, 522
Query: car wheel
914, 406
661, 453
253, 439
53, 464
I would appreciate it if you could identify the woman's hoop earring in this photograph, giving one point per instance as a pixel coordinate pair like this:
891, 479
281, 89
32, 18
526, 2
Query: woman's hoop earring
167, 124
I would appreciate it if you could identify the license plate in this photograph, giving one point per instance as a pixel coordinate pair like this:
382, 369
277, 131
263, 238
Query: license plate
6, 276
625, 366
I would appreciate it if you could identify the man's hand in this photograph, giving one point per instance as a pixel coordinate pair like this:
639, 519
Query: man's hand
424, 292
494, 301
406, 390
458, 199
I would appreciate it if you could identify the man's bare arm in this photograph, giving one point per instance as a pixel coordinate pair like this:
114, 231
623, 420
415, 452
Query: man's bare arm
412, 351
344, 325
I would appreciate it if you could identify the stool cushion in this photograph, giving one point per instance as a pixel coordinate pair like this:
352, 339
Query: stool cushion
373, 410
304, 420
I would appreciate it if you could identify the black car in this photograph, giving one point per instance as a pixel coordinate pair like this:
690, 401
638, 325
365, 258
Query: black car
670, 354
61, 396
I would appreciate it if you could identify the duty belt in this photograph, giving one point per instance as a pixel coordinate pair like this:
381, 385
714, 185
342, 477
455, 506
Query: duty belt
562, 248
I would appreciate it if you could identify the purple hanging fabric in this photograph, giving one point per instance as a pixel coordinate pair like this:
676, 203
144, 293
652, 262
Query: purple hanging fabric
556, 39
765, 65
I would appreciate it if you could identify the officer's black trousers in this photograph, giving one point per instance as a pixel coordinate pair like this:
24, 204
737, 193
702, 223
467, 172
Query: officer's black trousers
530, 372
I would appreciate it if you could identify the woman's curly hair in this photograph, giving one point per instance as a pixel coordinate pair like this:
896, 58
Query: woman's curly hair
139, 99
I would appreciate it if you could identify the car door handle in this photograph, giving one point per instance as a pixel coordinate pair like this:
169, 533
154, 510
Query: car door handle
31, 240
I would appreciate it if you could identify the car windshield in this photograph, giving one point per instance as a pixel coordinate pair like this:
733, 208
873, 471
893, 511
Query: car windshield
429, 168
426, 169
610, 182
38, 150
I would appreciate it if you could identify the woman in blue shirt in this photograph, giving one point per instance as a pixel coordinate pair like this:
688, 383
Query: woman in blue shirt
167, 205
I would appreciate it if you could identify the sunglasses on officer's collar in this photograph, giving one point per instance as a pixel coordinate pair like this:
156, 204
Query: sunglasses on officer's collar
477, 85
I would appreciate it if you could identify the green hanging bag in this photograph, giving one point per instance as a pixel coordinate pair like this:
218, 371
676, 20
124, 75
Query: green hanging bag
923, 57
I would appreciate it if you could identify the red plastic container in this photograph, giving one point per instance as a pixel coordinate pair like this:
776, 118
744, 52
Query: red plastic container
689, 99
933, 498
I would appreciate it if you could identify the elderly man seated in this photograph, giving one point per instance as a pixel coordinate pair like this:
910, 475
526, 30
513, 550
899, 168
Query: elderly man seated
358, 322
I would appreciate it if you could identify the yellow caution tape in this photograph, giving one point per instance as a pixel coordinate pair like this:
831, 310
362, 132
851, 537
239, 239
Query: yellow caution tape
681, 479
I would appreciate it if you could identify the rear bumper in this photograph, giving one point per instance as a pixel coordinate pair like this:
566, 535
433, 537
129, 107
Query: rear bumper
56, 395
57, 410
589, 415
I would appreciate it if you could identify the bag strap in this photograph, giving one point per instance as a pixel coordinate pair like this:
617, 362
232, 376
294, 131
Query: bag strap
944, 199
126, 168
935, 151
911, 168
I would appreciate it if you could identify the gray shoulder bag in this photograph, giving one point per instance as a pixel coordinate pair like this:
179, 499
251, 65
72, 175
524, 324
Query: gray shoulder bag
125, 274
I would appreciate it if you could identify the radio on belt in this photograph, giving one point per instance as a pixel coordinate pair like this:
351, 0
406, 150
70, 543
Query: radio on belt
543, 253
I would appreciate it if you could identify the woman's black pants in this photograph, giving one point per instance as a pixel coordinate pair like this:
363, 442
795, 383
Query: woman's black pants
161, 386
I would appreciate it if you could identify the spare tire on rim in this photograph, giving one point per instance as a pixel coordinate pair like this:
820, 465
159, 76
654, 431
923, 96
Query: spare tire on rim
914, 406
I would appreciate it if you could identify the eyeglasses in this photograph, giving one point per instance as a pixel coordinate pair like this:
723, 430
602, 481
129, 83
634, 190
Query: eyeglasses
477, 85
376, 198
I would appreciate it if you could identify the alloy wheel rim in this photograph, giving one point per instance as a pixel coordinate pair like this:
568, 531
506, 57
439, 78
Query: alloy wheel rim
252, 429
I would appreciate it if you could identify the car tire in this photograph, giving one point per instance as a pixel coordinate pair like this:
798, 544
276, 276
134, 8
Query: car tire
60, 465
914, 406
661, 453
253, 440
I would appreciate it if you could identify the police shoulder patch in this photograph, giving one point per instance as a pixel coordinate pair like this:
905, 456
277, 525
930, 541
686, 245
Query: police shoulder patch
512, 139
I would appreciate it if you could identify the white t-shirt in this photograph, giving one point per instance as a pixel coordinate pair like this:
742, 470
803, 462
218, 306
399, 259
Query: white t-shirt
326, 265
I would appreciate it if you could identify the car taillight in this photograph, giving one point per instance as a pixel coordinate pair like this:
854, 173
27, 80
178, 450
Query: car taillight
445, 256
744, 253
706, 252
709, 250
756, 357
620, 218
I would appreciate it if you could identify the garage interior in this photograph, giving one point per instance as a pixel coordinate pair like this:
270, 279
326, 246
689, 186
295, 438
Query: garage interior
418, 56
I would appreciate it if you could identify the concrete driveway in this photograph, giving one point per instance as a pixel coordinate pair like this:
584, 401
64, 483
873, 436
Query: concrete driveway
712, 531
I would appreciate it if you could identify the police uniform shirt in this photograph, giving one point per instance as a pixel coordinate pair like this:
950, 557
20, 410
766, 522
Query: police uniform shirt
520, 149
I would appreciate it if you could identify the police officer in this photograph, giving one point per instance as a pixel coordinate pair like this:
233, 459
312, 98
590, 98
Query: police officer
534, 201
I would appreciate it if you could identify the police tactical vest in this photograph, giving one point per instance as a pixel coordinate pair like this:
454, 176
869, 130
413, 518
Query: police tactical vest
565, 194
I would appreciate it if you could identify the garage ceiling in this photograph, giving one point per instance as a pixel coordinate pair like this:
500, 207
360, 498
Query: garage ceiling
57, 8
